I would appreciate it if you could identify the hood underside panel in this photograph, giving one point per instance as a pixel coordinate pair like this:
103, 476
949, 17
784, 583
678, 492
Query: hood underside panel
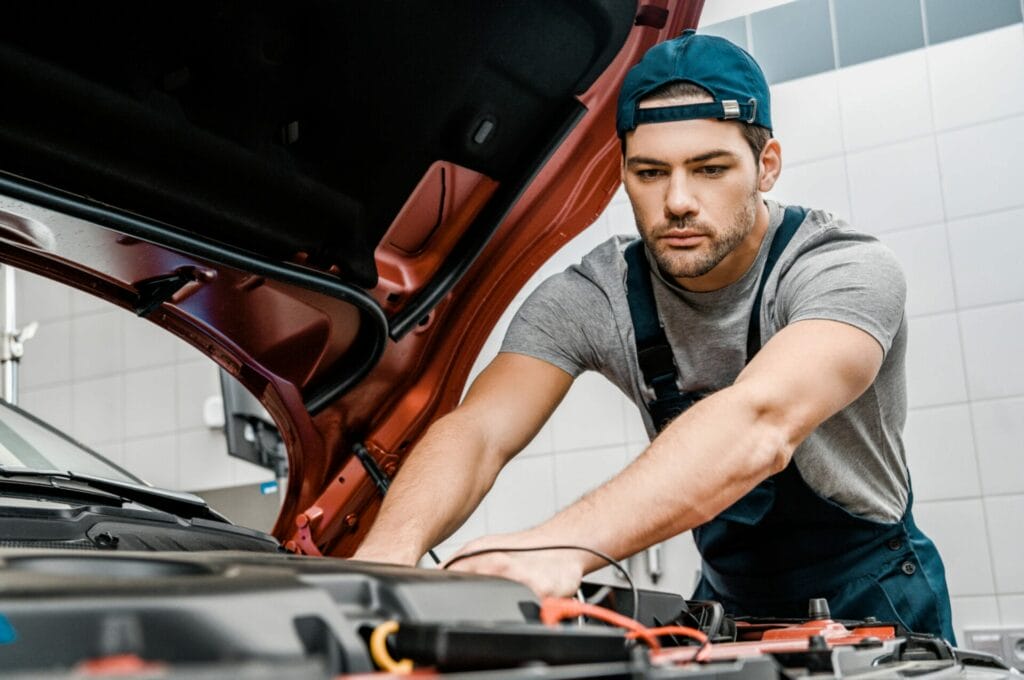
293, 131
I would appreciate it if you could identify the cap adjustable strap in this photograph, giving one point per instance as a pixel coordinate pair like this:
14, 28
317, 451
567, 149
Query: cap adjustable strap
729, 109
653, 351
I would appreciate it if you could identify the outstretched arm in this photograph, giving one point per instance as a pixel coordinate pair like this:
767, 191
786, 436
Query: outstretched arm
456, 462
703, 461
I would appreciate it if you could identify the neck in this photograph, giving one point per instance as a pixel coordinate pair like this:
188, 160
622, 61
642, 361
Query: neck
734, 265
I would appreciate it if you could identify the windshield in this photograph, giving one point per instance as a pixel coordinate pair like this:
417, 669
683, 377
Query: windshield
26, 442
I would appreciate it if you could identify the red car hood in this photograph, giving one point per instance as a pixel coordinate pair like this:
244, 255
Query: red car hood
334, 201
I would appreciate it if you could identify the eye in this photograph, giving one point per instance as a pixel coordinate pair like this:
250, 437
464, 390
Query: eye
712, 170
650, 173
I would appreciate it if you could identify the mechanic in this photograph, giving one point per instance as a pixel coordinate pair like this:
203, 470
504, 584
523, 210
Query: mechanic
765, 346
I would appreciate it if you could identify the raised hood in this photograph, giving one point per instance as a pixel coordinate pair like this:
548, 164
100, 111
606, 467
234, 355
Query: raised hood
333, 200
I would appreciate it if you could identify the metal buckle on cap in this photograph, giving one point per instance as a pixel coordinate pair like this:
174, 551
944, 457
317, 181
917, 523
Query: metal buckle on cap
753, 110
730, 109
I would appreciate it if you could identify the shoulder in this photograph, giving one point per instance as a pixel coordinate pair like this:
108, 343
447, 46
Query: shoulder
828, 245
596, 278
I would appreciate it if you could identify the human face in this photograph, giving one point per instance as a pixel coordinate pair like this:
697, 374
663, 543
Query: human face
695, 189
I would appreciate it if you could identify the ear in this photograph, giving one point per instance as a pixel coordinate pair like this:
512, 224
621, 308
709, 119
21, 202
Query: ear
770, 165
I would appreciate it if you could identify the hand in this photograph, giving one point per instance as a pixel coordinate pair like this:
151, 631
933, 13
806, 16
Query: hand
548, 573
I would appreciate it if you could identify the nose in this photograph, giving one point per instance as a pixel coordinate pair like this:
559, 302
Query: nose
680, 200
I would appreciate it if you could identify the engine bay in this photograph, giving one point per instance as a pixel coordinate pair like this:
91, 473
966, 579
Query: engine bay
247, 615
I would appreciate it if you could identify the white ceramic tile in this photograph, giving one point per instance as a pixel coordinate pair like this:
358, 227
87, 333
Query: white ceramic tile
934, 370
523, 495
1004, 525
986, 274
940, 452
590, 416
154, 459
1011, 609
186, 353
47, 358
636, 433
895, 186
958, 530
39, 298
967, 88
97, 345
98, 409
196, 382
995, 367
999, 433
86, 303
973, 612
146, 344
150, 402
924, 255
981, 167
817, 184
50, 404
807, 132
541, 444
884, 100
578, 472
620, 218
246, 473
680, 565
203, 461
722, 10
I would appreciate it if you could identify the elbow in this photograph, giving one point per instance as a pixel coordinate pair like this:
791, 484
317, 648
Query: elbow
779, 428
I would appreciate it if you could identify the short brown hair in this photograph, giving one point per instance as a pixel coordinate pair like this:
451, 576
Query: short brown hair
755, 135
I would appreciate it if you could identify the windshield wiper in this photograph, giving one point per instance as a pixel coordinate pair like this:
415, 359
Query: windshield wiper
184, 505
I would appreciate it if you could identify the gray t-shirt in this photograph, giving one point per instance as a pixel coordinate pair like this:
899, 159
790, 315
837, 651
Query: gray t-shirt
579, 320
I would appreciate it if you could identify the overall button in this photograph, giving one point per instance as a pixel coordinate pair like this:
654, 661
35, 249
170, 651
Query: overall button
895, 544
908, 568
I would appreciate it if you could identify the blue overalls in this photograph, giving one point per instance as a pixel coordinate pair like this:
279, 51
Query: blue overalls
782, 543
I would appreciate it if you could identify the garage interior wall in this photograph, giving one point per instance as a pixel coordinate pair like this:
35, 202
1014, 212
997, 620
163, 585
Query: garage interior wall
905, 117
912, 134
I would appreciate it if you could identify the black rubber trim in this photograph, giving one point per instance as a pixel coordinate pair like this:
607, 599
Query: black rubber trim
373, 333
473, 242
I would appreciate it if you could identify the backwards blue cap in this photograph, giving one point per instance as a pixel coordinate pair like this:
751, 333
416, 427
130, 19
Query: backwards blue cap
725, 70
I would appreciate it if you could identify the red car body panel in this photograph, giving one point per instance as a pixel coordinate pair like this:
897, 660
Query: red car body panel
278, 339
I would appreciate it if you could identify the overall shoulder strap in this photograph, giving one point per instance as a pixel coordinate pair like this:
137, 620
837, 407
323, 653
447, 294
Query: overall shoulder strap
653, 352
791, 221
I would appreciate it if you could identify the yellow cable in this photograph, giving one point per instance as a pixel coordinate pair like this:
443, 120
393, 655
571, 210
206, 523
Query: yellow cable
379, 649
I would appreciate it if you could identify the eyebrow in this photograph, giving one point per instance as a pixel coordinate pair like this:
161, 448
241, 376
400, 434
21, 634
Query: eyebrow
706, 156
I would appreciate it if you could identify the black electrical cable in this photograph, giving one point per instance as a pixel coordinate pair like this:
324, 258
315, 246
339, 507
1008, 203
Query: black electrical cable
597, 553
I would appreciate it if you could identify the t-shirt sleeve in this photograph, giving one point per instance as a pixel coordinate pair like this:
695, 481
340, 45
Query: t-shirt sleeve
557, 321
853, 279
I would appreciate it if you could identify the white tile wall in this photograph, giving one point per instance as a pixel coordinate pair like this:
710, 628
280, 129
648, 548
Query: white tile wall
973, 612
924, 254
146, 344
981, 167
958, 529
154, 459
940, 453
819, 184
807, 132
1011, 609
965, 87
40, 303
523, 495
992, 342
590, 416
47, 357
986, 257
52, 404
577, 472
150, 402
934, 370
876, 98
999, 433
1004, 522
895, 186
203, 462
97, 346
98, 410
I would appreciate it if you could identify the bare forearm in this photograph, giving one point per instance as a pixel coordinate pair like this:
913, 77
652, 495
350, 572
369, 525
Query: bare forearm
702, 463
438, 487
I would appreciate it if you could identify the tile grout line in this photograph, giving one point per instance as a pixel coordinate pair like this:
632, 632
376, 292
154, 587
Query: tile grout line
956, 303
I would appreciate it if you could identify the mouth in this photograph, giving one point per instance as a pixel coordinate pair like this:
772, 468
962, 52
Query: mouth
686, 238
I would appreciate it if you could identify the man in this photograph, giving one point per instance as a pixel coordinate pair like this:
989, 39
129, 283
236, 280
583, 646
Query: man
765, 348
